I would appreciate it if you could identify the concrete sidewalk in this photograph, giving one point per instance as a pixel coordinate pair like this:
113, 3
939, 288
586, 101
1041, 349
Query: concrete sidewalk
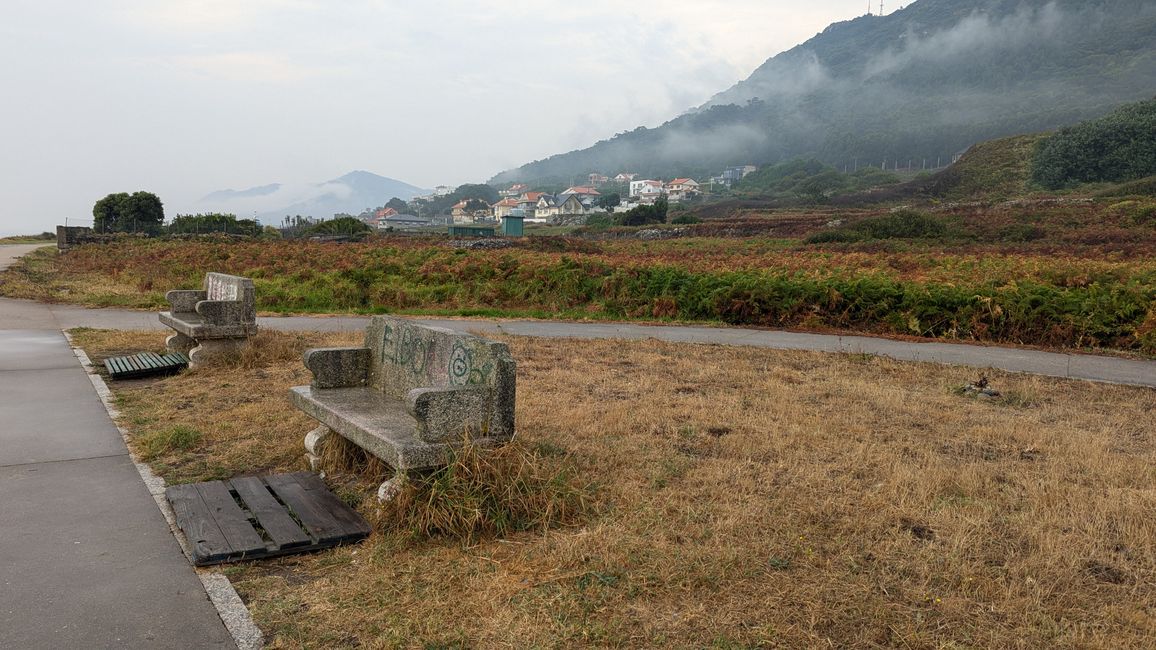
88, 559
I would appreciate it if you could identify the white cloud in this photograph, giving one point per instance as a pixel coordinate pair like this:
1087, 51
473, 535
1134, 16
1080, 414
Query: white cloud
255, 67
186, 97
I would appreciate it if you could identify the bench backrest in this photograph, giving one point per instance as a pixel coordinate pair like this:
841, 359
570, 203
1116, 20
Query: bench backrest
406, 355
219, 286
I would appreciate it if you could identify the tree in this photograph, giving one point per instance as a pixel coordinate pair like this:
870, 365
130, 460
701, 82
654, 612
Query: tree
474, 205
644, 214
123, 212
214, 222
341, 225
609, 201
397, 204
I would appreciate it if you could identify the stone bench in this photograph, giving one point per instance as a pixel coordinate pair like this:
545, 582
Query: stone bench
410, 396
213, 322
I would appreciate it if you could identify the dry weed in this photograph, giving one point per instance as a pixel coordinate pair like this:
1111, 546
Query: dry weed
747, 498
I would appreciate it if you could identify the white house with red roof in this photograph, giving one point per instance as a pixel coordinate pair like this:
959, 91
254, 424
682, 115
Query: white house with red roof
504, 207
681, 189
528, 202
638, 188
625, 177
514, 191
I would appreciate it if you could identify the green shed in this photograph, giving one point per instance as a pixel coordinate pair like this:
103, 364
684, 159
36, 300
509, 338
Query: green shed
471, 231
512, 226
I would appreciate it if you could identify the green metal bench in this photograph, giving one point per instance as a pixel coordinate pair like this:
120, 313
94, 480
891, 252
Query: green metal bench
145, 364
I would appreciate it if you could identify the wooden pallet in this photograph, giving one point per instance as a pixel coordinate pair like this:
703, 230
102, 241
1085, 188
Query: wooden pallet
145, 364
254, 517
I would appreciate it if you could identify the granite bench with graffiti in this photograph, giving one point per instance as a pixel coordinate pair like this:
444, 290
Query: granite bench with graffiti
211, 323
410, 396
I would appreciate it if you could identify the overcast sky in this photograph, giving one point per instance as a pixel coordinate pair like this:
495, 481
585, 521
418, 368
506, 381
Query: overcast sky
183, 98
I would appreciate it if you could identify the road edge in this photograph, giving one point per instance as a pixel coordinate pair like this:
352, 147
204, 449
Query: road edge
218, 589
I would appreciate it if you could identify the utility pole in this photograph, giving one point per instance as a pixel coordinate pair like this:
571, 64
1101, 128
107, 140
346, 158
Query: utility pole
880, 7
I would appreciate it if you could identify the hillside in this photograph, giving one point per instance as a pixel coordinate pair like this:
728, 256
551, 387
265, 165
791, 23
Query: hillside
350, 194
921, 84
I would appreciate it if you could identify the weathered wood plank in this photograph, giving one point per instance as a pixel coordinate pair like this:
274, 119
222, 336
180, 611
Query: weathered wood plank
320, 524
272, 516
219, 530
205, 538
232, 521
353, 524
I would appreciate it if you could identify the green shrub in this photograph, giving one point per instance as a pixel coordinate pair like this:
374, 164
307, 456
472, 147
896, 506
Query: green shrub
838, 236
1120, 146
1021, 232
904, 224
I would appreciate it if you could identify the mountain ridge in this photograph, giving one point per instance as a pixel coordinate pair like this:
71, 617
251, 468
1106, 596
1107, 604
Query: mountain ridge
350, 193
923, 82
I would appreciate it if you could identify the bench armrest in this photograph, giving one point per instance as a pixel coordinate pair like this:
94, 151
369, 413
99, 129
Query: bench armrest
338, 367
221, 312
185, 300
447, 413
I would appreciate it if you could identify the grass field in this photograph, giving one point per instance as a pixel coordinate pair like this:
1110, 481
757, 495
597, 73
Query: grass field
1072, 279
736, 498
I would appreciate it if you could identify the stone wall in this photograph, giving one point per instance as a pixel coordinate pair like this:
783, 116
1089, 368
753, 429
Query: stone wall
69, 236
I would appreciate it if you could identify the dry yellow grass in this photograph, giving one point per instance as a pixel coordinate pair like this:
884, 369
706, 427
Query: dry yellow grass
745, 498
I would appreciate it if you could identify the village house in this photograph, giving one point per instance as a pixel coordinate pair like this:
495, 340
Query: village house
504, 207
514, 191
681, 189
563, 205
406, 222
588, 196
649, 187
597, 179
461, 212
528, 202
625, 177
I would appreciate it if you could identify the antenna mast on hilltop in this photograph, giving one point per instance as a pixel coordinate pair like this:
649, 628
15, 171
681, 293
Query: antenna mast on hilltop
880, 7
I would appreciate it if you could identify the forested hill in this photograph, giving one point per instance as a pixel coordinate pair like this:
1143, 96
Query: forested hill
922, 83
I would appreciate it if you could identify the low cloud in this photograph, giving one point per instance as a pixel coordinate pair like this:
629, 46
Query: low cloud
281, 197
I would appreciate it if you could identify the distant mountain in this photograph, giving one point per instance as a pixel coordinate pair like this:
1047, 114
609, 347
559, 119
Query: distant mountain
923, 83
229, 195
350, 194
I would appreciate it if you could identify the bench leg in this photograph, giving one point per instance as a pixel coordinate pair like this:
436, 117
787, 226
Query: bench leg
314, 440
391, 488
180, 343
211, 350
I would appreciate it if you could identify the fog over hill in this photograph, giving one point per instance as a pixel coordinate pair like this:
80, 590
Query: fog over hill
350, 194
922, 83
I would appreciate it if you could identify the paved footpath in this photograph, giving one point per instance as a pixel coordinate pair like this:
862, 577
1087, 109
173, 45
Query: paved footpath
1089, 367
88, 560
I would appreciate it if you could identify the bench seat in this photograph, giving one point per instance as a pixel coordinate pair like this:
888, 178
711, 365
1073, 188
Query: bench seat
378, 423
193, 325
213, 323
411, 396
